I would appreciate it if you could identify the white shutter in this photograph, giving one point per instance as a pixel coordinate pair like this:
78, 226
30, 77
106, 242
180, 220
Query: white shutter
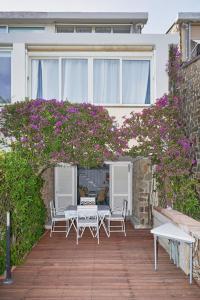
121, 186
65, 186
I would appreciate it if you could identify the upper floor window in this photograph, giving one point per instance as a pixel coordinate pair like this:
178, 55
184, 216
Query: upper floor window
3, 29
97, 80
89, 28
25, 29
5, 77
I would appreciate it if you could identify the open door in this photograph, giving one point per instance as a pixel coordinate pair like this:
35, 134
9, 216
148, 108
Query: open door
65, 186
121, 185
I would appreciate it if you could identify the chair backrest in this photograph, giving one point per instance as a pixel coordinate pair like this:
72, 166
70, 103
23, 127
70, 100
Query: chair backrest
101, 195
87, 201
87, 212
124, 210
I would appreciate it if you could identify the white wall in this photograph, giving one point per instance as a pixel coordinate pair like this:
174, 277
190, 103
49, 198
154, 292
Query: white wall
18, 72
20, 41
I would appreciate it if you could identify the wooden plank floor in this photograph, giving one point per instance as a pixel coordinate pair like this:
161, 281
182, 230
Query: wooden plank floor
119, 268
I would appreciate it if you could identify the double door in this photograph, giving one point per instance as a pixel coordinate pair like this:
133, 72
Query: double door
120, 185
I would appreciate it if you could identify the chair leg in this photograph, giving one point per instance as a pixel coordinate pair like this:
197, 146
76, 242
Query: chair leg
98, 235
77, 235
52, 225
108, 227
124, 228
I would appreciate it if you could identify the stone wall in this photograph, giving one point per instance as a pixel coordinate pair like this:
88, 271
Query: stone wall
190, 95
142, 175
48, 190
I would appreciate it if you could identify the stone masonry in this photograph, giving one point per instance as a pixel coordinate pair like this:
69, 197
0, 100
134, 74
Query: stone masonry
142, 180
190, 95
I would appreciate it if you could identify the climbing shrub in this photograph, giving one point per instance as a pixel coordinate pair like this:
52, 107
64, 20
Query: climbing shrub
160, 134
20, 194
49, 132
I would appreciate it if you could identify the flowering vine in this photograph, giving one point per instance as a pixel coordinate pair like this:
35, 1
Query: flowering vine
49, 132
160, 135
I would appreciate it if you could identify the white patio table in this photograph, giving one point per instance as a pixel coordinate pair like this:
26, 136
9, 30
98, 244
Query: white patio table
173, 233
103, 211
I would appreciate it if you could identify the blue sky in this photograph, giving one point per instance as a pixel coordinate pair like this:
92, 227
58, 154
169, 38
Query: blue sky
162, 13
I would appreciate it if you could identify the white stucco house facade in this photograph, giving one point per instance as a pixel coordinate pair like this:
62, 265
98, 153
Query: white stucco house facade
101, 58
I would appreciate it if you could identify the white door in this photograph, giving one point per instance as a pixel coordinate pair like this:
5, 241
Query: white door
121, 185
65, 186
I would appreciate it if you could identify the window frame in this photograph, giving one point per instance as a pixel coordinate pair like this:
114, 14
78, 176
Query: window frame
9, 50
90, 56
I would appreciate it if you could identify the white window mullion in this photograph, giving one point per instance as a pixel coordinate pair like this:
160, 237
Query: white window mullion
90, 80
60, 79
120, 81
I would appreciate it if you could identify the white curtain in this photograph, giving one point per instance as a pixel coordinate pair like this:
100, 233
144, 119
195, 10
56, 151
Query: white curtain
45, 78
135, 82
5, 77
106, 81
75, 80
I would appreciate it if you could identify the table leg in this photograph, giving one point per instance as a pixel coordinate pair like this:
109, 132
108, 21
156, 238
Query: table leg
191, 263
155, 252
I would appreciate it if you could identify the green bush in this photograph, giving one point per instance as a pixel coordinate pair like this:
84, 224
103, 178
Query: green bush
187, 200
20, 193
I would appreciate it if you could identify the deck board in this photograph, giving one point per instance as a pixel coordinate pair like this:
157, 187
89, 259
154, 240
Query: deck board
119, 268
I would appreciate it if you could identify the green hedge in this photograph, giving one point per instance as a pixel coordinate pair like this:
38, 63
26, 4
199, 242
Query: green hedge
20, 193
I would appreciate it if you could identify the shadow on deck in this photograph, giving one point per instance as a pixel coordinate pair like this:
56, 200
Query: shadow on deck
118, 268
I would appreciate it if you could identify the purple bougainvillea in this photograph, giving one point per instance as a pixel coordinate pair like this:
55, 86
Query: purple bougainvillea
53, 131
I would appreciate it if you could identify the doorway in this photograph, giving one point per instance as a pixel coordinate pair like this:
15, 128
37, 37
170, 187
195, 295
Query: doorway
94, 183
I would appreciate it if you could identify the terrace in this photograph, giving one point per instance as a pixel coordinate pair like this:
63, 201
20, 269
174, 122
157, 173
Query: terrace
118, 268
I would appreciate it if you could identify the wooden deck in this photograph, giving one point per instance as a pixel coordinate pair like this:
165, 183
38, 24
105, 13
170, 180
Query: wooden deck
119, 268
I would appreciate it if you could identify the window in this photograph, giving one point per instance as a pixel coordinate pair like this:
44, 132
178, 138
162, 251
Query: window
103, 29
25, 29
121, 29
64, 29
5, 77
82, 29
108, 81
75, 80
136, 81
45, 79
3, 29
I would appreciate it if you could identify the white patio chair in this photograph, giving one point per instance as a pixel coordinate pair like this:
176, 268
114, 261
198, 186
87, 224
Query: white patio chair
55, 219
87, 216
87, 201
118, 217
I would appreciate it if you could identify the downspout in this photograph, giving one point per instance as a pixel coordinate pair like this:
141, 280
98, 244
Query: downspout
189, 41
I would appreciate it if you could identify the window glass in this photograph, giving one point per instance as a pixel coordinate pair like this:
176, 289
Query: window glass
75, 80
45, 79
5, 77
3, 29
86, 29
136, 82
121, 29
25, 29
64, 29
106, 81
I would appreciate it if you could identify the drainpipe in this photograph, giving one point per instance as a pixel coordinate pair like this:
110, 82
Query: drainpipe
189, 41
186, 41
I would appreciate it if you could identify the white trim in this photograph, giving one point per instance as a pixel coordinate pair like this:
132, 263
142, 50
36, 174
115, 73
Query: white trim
118, 163
85, 54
